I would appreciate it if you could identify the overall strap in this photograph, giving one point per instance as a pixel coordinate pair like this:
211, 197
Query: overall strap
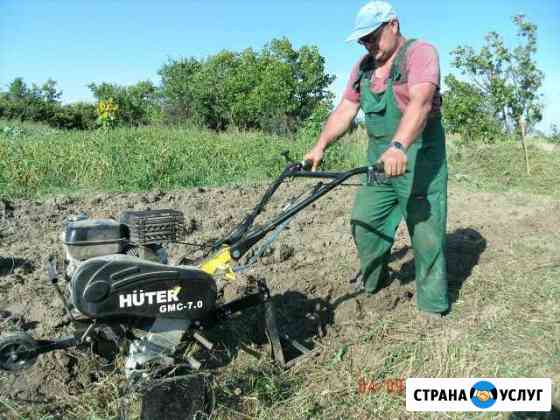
365, 71
398, 69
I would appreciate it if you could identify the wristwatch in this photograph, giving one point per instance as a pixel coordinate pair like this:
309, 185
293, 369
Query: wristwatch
398, 145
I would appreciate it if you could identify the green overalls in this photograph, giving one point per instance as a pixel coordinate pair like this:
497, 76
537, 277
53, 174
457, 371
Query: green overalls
420, 195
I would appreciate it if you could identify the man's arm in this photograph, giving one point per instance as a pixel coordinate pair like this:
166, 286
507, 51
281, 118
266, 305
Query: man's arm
412, 123
337, 124
416, 113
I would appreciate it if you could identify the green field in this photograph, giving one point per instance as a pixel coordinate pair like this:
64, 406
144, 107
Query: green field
36, 160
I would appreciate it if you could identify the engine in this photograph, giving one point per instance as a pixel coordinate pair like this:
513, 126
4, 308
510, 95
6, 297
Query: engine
84, 238
119, 268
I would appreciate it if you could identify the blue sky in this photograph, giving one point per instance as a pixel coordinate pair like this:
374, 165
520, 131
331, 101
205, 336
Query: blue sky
76, 42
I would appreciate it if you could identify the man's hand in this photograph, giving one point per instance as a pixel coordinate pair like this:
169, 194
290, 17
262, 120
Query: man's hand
315, 155
394, 161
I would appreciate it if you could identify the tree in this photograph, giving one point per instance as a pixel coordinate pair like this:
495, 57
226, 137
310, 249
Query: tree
508, 79
468, 112
177, 87
300, 80
35, 103
554, 133
18, 90
276, 89
49, 92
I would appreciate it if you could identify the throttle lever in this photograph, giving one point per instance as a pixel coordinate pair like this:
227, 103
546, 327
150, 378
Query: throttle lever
376, 174
306, 164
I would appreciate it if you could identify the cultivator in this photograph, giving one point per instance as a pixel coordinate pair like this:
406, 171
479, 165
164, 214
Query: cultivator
119, 290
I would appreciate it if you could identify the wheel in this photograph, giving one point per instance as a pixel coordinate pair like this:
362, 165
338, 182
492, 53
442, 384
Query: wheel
17, 351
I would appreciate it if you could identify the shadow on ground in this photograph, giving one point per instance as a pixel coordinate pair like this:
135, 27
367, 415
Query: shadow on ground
9, 264
463, 251
298, 318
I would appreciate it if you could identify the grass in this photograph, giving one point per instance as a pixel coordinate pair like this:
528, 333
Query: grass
495, 345
501, 167
36, 161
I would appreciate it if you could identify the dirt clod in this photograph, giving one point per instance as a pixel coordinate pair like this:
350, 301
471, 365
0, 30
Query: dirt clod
283, 253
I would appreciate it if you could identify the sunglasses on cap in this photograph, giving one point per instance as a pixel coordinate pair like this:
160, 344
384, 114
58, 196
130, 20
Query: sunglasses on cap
372, 38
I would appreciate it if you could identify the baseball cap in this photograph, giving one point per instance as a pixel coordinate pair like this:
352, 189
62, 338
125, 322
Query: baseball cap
370, 17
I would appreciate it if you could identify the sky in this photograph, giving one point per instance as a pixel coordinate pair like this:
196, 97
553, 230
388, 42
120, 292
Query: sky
76, 42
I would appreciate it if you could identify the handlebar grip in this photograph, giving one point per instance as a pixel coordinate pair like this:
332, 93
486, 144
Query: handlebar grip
376, 174
306, 164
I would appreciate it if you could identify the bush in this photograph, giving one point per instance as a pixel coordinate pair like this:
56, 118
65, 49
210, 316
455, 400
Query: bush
78, 116
466, 112
313, 125
29, 104
277, 89
135, 102
11, 132
554, 134
42, 104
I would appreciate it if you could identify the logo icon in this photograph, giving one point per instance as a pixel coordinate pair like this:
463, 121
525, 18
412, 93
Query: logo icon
483, 394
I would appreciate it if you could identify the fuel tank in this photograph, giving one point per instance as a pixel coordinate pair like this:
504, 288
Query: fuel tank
119, 285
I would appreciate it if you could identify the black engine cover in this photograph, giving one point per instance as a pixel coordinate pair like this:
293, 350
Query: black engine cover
126, 286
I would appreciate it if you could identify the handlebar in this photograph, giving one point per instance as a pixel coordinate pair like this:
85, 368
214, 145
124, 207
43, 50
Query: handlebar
375, 173
242, 237
306, 165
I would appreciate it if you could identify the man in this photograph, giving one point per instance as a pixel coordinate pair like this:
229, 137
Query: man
396, 84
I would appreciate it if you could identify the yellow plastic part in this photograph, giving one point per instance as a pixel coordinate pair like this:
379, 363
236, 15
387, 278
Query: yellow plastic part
220, 262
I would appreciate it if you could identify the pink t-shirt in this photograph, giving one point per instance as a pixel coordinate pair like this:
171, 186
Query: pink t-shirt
422, 65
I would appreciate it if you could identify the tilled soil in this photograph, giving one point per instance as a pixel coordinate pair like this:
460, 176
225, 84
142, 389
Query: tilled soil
312, 263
